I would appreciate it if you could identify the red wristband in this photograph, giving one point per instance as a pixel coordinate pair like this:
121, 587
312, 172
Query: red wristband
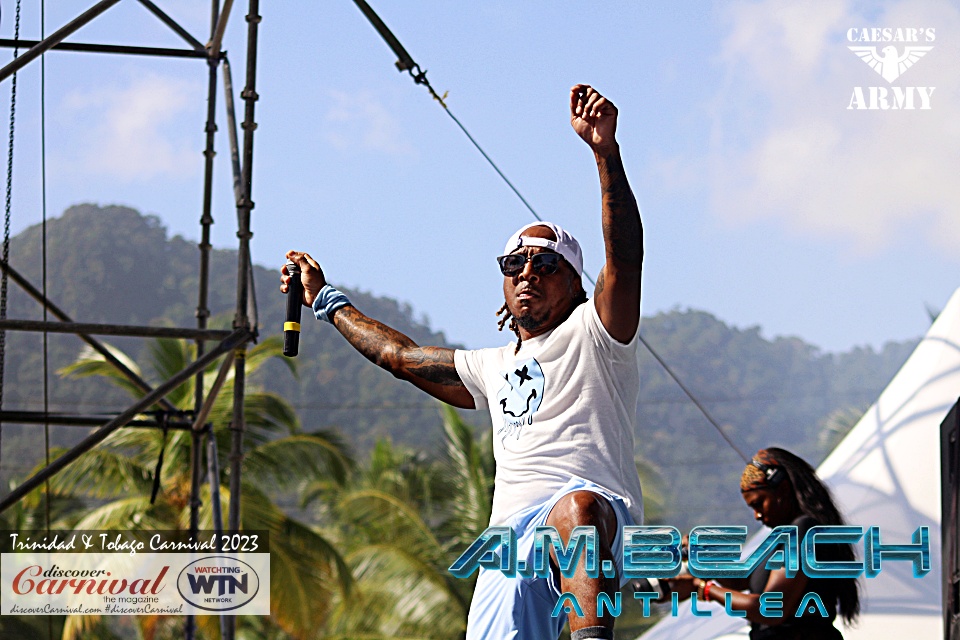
706, 591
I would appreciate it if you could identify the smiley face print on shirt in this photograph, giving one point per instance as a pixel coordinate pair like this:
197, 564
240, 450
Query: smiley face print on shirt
520, 396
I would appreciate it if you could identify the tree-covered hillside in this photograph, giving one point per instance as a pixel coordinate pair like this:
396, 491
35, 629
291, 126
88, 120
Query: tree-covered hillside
112, 264
779, 392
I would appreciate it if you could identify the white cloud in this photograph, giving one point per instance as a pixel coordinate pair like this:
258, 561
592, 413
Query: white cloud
125, 132
360, 120
785, 146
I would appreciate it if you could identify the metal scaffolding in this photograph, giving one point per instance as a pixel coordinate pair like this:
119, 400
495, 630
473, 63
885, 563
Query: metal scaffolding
232, 344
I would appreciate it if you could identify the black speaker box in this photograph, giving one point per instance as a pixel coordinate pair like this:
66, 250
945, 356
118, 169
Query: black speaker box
949, 486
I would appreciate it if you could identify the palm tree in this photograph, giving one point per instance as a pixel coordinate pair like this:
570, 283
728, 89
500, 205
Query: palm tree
306, 569
835, 427
29, 517
655, 510
403, 519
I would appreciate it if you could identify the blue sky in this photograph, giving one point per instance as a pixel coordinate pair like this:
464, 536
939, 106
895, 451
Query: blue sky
766, 201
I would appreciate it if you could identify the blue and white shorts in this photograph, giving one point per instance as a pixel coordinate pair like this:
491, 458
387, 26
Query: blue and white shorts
503, 608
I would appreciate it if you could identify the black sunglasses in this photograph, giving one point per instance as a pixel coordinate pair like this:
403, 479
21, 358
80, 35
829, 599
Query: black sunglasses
543, 263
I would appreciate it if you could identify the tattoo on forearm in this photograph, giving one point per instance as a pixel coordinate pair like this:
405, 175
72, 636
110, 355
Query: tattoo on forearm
365, 334
433, 364
395, 352
621, 216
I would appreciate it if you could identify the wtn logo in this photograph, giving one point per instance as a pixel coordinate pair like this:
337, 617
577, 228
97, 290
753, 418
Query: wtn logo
226, 584
890, 64
218, 583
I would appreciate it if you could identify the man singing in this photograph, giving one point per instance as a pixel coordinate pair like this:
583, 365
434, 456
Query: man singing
562, 399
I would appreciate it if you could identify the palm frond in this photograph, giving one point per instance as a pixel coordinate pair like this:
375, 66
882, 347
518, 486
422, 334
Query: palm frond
134, 513
103, 473
30, 513
471, 473
270, 347
83, 627
399, 594
380, 515
266, 414
168, 357
306, 569
308, 573
403, 472
654, 504
91, 363
297, 459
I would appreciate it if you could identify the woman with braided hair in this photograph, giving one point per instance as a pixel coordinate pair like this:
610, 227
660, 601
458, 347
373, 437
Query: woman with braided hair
783, 489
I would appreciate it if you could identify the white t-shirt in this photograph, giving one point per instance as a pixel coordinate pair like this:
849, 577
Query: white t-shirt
565, 405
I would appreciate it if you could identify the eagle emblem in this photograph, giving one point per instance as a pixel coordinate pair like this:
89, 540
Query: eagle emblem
889, 63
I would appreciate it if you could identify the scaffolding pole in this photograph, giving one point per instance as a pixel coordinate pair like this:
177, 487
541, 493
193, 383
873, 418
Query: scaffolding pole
237, 338
203, 312
200, 427
220, 26
213, 478
87, 47
232, 131
242, 319
74, 420
245, 320
86, 328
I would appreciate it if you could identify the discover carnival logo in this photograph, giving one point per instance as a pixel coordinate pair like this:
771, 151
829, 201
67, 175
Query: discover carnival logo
890, 52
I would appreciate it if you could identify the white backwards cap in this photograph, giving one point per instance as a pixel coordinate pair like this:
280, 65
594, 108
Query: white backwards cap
566, 245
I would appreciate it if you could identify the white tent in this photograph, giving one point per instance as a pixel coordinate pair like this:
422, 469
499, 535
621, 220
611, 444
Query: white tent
886, 472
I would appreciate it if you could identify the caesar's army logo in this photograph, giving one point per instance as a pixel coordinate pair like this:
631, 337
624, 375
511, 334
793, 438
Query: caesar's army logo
890, 52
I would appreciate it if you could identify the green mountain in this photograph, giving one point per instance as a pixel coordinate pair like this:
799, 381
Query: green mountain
112, 264
780, 392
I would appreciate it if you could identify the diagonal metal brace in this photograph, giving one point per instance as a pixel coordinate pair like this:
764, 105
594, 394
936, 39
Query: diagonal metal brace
170, 22
200, 421
220, 28
55, 38
37, 295
404, 60
237, 338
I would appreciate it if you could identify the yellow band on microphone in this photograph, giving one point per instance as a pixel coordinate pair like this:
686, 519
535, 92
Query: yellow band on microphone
291, 326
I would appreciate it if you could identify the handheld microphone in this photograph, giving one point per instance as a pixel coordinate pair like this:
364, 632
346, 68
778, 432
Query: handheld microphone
291, 327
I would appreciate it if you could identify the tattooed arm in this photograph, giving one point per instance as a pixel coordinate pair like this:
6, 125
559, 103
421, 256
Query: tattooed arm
428, 368
617, 295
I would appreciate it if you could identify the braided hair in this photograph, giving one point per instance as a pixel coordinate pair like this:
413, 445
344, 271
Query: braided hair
816, 501
513, 326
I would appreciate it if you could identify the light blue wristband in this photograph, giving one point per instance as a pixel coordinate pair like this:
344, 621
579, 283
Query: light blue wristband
328, 301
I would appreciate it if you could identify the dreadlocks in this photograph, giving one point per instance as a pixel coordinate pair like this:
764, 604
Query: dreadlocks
513, 325
507, 316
